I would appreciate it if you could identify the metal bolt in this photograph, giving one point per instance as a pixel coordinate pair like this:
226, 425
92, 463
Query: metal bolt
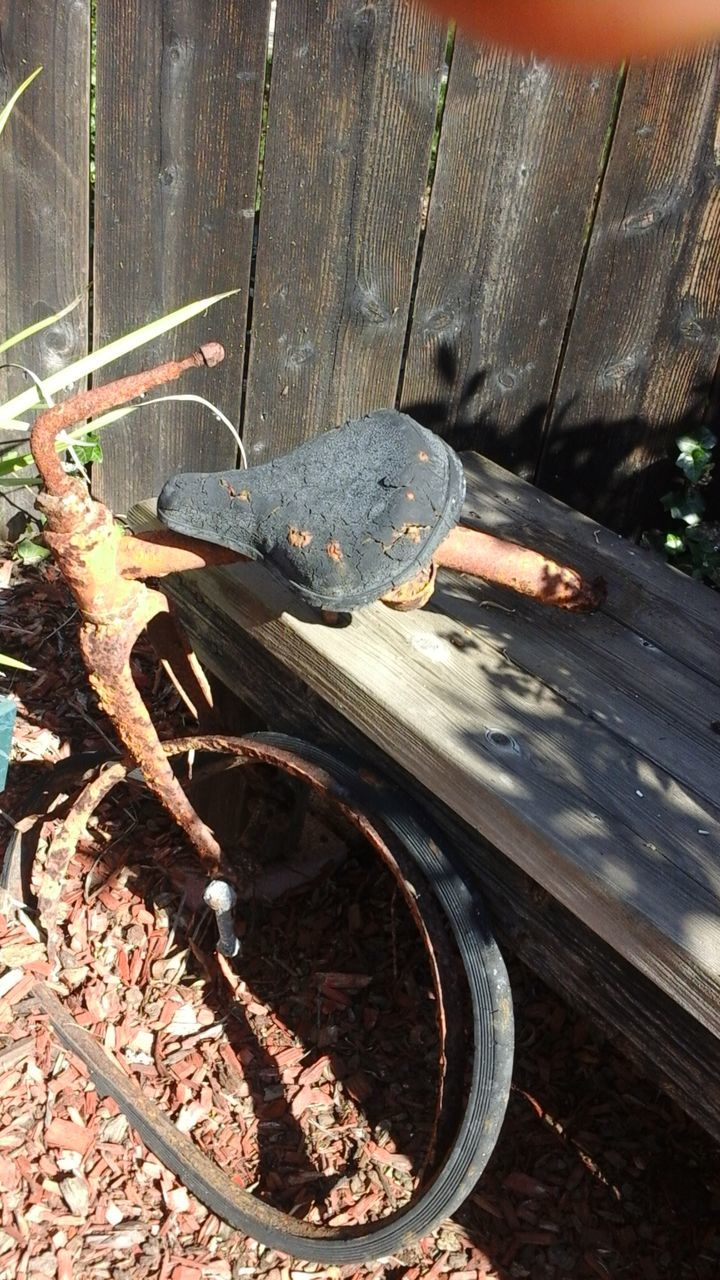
220, 897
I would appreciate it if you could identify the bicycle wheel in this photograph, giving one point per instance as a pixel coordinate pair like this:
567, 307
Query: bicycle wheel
461, 949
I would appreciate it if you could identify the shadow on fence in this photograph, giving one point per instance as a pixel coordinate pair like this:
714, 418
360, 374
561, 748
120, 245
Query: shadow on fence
603, 468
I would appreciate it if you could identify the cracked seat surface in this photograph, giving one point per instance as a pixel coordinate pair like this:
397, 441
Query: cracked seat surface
351, 515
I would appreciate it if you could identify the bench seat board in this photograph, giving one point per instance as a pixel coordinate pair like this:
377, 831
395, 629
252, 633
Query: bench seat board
584, 748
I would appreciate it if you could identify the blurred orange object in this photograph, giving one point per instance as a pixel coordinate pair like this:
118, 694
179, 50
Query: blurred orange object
587, 30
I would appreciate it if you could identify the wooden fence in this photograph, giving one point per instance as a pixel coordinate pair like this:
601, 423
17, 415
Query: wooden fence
525, 257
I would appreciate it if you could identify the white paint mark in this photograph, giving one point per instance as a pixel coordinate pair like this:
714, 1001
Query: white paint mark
432, 647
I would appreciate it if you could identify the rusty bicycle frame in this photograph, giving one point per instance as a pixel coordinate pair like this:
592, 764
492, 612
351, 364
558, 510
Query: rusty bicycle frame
105, 568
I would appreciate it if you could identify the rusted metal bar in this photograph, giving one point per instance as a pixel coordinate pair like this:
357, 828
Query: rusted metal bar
92, 552
106, 649
87, 404
159, 552
414, 594
528, 572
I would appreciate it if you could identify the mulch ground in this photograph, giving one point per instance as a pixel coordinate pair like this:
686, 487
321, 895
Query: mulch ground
314, 1085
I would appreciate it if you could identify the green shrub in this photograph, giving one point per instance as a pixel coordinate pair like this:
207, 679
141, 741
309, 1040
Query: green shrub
691, 541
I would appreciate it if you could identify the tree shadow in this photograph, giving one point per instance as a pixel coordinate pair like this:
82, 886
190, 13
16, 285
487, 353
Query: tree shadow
614, 471
372, 1039
594, 1166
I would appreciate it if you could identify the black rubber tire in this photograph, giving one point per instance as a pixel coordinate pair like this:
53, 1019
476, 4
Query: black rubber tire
488, 1087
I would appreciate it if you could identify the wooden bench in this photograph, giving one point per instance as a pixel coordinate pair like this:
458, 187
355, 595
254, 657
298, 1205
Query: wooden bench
574, 759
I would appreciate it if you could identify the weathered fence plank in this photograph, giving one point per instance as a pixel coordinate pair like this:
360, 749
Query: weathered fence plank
44, 186
520, 153
645, 340
179, 103
352, 110
566, 313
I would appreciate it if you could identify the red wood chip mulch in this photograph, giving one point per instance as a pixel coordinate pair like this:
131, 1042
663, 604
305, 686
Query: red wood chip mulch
315, 1084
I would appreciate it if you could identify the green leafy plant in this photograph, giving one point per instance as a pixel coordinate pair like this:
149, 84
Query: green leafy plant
41, 392
7, 110
692, 541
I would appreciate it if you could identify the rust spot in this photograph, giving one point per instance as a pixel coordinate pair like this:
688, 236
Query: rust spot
413, 531
423, 456
334, 550
413, 594
242, 494
299, 537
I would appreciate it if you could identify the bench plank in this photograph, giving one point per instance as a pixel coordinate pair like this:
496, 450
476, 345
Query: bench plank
661, 604
611, 674
509, 735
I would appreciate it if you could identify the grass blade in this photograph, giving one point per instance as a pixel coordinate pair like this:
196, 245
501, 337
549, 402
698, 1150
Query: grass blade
6, 661
31, 482
106, 355
40, 324
7, 109
218, 413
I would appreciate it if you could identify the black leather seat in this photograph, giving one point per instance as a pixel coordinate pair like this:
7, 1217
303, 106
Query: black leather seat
345, 518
